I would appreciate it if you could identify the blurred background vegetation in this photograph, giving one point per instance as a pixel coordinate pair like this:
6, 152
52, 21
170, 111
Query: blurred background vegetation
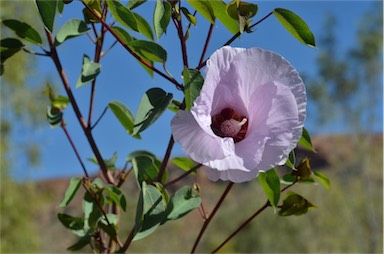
349, 217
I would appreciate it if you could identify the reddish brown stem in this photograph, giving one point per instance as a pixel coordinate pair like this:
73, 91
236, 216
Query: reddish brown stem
83, 124
246, 222
74, 148
141, 60
166, 159
234, 37
206, 223
183, 175
206, 44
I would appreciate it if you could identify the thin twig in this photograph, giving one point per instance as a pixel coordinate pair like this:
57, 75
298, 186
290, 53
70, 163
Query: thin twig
166, 159
141, 60
183, 175
234, 37
74, 148
100, 206
35, 53
98, 50
206, 44
83, 124
206, 223
179, 27
267, 204
100, 117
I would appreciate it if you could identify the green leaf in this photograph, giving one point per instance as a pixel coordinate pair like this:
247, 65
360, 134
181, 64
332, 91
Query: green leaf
154, 102
184, 163
73, 223
270, 182
242, 12
295, 26
305, 141
23, 30
125, 117
122, 34
193, 82
146, 167
9, 47
72, 28
150, 211
54, 116
60, 102
161, 17
114, 194
89, 17
132, 4
175, 105
143, 26
204, 8
47, 10
149, 50
303, 171
182, 202
294, 204
291, 160
323, 179
84, 241
122, 15
89, 71
189, 16
73, 187
220, 10
60, 6
92, 213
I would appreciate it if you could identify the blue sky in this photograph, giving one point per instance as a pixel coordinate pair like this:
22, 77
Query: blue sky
123, 79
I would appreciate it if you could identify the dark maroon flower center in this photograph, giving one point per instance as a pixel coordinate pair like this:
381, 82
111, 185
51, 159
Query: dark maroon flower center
228, 123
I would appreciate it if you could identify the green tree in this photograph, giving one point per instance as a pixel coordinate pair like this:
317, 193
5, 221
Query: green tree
21, 107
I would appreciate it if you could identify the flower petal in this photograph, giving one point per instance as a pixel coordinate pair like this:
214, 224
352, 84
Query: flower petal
199, 145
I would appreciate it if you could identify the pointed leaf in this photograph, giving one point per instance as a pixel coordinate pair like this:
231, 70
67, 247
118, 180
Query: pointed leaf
305, 141
124, 115
204, 8
193, 82
132, 4
72, 28
143, 26
303, 171
161, 17
23, 30
220, 10
154, 102
47, 10
184, 163
182, 202
294, 204
295, 26
151, 209
89, 71
189, 16
122, 34
9, 47
122, 15
116, 196
74, 223
323, 179
291, 160
84, 241
74, 185
149, 50
146, 167
270, 182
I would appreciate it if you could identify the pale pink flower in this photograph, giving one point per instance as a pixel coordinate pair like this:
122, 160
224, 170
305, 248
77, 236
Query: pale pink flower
248, 117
